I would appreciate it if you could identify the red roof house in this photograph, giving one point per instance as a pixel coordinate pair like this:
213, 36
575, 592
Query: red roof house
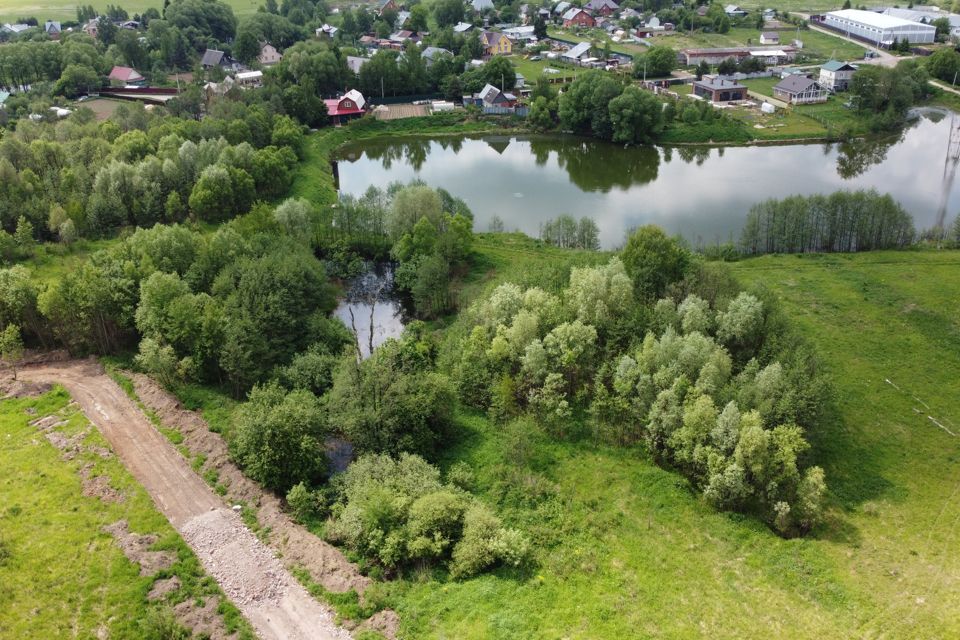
126, 75
349, 105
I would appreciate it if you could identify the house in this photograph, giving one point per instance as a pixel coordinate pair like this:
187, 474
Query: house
518, 34
576, 53
402, 17
702, 10
490, 96
15, 28
629, 14
602, 7
269, 55
482, 5
131, 25
346, 107
495, 43
561, 8
211, 58
327, 31
432, 54
387, 5
125, 76
403, 35
462, 27
797, 89
91, 26
769, 37
578, 18
836, 76
53, 29
216, 89
770, 55
719, 89
734, 11
248, 79
4, 96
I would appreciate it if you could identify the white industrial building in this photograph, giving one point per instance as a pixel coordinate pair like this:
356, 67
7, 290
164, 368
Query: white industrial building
879, 28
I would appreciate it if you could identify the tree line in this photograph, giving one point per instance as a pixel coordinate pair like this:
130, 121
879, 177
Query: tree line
843, 221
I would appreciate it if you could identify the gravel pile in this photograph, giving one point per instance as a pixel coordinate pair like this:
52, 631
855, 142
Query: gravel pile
246, 569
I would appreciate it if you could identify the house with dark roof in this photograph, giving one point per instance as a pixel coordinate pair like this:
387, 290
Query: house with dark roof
490, 96
211, 58
719, 89
836, 75
126, 75
797, 89
602, 7
769, 37
53, 29
578, 18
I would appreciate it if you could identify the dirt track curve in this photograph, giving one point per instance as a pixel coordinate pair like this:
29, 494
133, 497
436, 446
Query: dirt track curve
253, 578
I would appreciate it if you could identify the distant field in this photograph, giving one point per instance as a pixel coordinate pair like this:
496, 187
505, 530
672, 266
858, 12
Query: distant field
67, 9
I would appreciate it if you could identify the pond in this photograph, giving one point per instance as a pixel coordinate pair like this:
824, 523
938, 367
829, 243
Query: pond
702, 193
369, 309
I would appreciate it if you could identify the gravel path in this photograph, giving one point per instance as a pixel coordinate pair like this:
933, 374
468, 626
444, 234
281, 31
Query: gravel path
272, 600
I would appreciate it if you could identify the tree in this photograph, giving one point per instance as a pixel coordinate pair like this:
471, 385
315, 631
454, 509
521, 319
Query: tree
943, 29
295, 217
417, 21
279, 437
944, 64
246, 48
76, 80
540, 27
447, 13
540, 117
636, 116
658, 61
11, 347
586, 103
653, 260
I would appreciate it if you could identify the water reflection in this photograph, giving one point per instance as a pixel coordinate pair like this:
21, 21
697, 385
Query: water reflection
370, 311
527, 180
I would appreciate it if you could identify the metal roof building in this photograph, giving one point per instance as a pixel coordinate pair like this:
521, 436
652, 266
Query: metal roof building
879, 28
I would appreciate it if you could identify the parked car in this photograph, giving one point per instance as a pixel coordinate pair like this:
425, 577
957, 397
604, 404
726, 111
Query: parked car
536, 58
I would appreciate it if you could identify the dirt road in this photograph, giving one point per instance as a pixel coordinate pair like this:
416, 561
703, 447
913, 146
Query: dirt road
252, 577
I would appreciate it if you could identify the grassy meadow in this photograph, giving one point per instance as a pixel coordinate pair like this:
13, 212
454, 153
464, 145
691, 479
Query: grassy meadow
627, 550
60, 574
44, 10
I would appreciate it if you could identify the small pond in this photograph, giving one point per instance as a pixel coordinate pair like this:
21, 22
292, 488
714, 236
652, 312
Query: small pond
370, 310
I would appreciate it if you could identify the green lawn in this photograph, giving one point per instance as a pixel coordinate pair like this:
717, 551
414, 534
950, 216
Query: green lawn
817, 46
60, 574
626, 550
533, 69
44, 10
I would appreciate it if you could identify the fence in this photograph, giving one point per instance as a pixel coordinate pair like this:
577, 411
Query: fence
506, 111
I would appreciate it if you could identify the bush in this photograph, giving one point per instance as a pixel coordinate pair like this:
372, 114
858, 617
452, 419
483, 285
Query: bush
279, 437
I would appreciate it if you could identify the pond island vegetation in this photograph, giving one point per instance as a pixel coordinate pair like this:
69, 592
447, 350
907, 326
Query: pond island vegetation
565, 440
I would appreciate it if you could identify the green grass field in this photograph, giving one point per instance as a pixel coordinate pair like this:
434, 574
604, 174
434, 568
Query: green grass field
60, 574
626, 550
44, 10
